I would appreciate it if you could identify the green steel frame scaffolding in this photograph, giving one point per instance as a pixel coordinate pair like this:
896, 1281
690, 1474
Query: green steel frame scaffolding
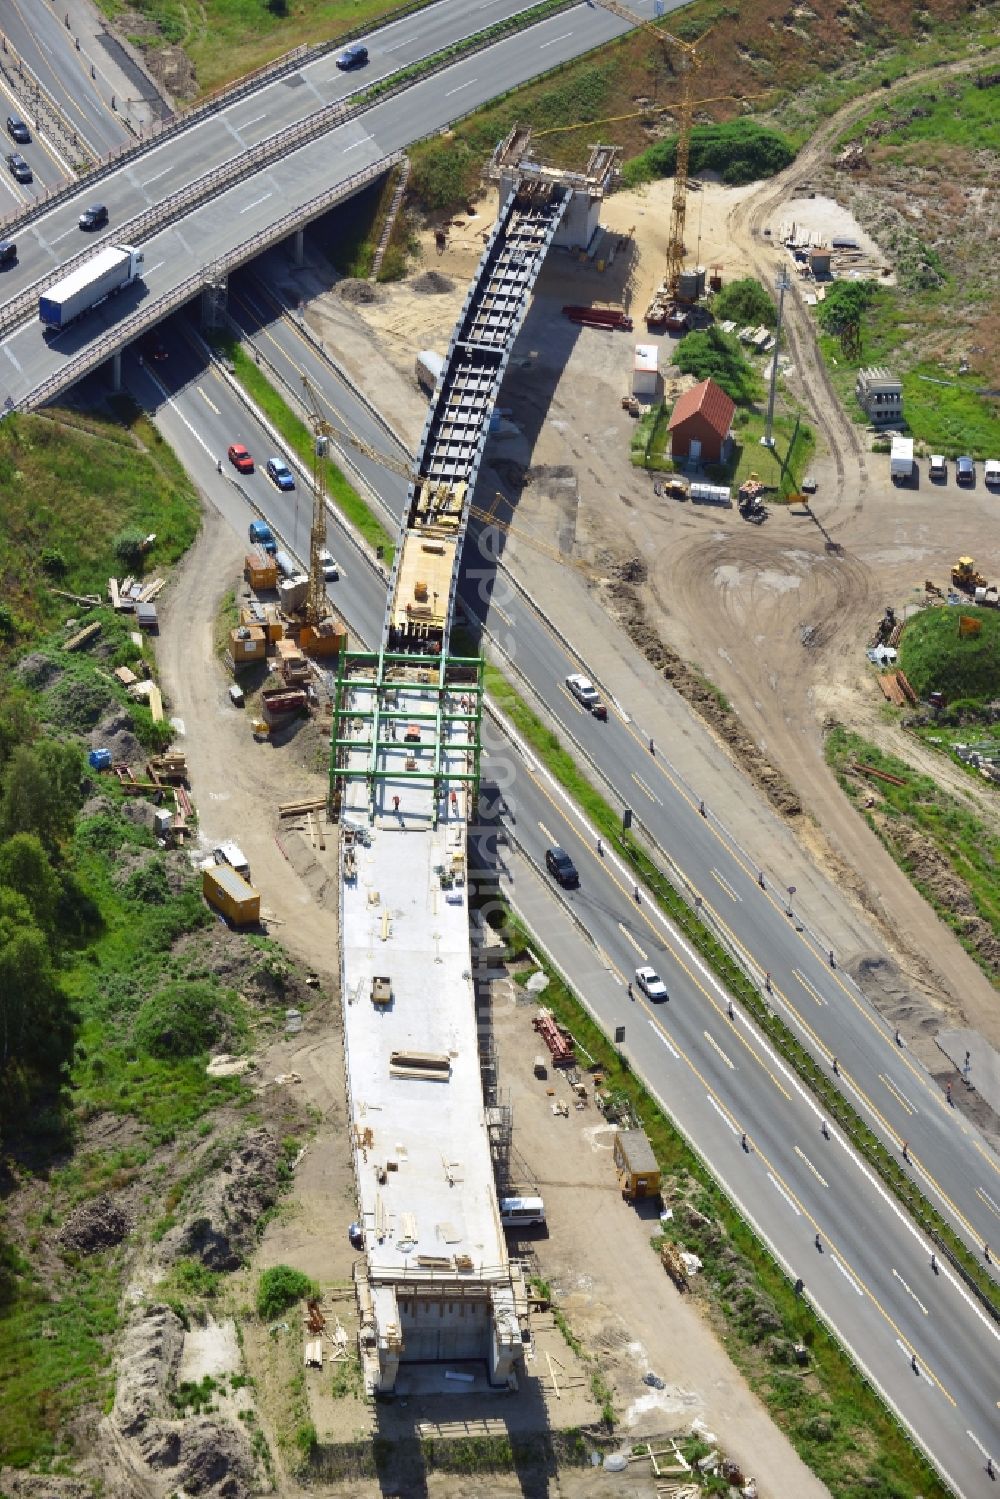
383, 673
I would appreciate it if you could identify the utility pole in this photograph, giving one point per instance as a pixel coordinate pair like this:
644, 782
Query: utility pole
782, 284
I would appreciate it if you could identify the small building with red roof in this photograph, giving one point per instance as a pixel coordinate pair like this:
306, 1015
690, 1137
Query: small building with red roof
701, 424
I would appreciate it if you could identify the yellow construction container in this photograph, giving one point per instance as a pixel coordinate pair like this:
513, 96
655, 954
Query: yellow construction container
260, 571
328, 638
637, 1166
246, 643
231, 894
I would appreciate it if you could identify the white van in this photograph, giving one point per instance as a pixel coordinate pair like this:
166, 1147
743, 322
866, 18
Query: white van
521, 1212
232, 854
938, 466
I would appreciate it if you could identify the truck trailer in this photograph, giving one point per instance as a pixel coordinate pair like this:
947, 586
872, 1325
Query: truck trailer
901, 460
107, 272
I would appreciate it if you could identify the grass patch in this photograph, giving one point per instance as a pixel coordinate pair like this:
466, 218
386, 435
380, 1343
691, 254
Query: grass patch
835, 1420
55, 1356
225, 39
965, 846
299, 438
782, 467
120, 475
937, 659
347, 1381
608, 822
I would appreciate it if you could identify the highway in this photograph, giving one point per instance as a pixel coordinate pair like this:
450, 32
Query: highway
871, 1277
955, 1166
265, 195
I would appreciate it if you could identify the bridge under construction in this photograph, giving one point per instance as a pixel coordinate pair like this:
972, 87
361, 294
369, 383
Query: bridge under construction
435, 1283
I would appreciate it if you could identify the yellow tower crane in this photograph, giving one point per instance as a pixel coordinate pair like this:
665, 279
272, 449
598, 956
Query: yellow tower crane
690, 63
317, 604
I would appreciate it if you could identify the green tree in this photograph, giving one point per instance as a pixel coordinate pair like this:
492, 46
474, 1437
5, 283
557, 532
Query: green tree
25, 867
845, 304
717, 356
184, 1019
42, 791
36, 1019
745, 302
281, 1287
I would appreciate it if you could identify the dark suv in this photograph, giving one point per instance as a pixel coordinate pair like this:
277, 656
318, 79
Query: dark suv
18, 130
354, 56
94, 217
19, 168
8, 252
559, 863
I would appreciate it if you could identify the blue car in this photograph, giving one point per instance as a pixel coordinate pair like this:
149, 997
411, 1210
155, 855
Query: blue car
280, 474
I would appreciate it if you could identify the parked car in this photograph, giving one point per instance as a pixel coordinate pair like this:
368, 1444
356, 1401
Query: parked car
18, 130
94, 217
354, 56
991, 473
8, 252
809, 484
280, 474
19, 168
559, 863
651, 984
586, 694
261, 535
965, 471
937, 468
331, 571
240, 458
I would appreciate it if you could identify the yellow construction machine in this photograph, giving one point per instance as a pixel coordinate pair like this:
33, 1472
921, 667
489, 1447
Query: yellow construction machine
964, 575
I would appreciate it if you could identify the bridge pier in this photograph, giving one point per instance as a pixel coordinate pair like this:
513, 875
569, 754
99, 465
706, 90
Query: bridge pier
299, 248
116, 372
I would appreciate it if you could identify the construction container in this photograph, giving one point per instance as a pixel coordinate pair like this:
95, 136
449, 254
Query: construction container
637, 1166
260, 571
263, 617
280, 703
229, 893
646, 370
146, 617
246, 644
328, 638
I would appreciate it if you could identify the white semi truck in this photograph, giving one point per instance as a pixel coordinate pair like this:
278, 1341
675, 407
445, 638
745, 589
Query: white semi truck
108, 272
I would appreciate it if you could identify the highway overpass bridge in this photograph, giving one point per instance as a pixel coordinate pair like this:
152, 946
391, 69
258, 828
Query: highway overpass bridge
210, 194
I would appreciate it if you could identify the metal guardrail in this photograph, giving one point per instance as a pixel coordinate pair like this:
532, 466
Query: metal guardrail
130, 328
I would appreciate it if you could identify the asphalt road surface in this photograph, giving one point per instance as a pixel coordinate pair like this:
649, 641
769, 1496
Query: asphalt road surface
871, 1275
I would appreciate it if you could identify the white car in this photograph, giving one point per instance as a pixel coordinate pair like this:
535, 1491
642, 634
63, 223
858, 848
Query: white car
651, 984
331, 571
586, 694
809, 484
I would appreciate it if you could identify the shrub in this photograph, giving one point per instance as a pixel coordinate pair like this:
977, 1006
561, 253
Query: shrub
128, 547
281, 1287
148, 885
740, 151
745, 302
183, 1020
717, 356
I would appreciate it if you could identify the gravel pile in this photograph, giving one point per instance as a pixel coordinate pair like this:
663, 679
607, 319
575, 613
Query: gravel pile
97, 1224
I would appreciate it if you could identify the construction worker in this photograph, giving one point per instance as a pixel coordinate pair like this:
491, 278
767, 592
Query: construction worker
934, 1263
630, 993
729, 1010
832, 962
600, 849
986, 1254
990, 1470
947, 1092
913, 1364
906, 1151
743, 1142
701, 809
760, 878
819, 1243
767, 982
218, 465
836, 1066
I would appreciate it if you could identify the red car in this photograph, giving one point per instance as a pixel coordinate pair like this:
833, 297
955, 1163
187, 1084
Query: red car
240, 458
